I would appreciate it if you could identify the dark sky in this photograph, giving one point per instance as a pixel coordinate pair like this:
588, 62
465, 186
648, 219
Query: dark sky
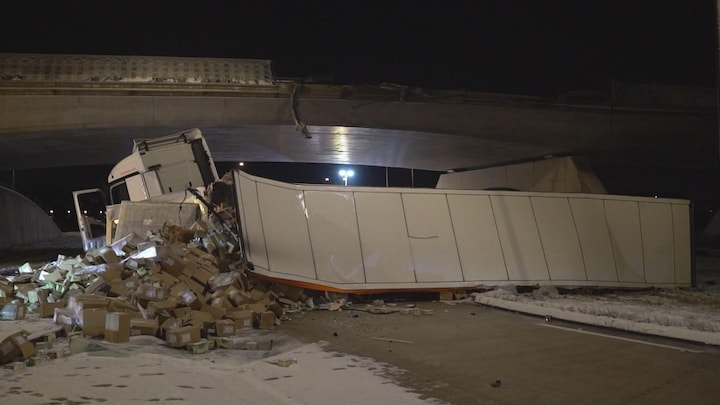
515, 46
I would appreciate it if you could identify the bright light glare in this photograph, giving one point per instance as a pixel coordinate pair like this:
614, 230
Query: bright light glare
52, 212
350, 173
327, 178
241, 164
342, 173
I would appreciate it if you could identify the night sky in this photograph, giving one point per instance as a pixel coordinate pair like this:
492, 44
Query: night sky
514, 46
542, 48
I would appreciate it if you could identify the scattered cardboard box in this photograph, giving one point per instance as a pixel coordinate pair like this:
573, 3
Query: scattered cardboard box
225, 327
117, 327
92, 321
140, 326
181, 337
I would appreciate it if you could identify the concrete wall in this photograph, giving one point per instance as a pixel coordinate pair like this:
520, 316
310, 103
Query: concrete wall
22, 222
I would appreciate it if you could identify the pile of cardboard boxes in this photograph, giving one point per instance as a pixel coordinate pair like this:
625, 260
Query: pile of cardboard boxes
165, 286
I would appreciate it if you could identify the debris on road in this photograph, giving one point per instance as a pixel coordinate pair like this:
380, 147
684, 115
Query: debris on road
186, 286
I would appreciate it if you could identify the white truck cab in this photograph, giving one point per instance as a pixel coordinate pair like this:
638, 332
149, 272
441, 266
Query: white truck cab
157, 169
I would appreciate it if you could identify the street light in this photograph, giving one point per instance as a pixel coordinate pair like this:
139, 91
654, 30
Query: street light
345, 174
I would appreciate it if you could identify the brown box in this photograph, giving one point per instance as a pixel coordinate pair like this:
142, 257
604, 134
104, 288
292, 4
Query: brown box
292, 293
157, 307
117, 327
257, 295
242, 318
168, 324
151, 293
120, 305
167, 280
47, 309
196, 287
201, 319
113, 273
26, 348
267, 320
216, 312
236, 296
182, 311
201, 275
172, 264
77, 303
180, 337
187, 297
108, 256
225, 327
92, 321
8, 351
445, 296
140, 326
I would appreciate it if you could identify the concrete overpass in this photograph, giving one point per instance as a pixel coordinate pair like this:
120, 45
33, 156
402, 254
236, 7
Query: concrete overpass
67, 110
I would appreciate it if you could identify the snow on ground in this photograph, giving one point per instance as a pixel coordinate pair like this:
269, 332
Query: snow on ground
684, 313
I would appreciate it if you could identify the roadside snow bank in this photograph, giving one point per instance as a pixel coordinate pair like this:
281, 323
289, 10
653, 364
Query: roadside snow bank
691, 315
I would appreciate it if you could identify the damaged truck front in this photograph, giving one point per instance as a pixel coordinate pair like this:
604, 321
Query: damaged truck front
159, 170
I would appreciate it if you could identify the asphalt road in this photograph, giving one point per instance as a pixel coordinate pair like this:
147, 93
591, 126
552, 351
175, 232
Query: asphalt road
459, 353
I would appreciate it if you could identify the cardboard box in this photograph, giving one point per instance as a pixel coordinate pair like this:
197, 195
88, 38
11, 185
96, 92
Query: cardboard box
181, 312
140, 326
241, 318
216, 312
108, 256
113, 273
169, 324
189, 299
77, 303
181, 337
292, 293
201, 275
225, 327
197, 288
156, 307
26, 348
172, 263
47, 309
117, 327
236, 296
8, 351
267, 320
151, 293
120, 305
92, 321
201, 319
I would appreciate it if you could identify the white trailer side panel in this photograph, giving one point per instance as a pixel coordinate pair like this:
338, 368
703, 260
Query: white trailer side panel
363, 239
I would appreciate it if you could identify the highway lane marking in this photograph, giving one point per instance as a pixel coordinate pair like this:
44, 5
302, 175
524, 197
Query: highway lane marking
682, 349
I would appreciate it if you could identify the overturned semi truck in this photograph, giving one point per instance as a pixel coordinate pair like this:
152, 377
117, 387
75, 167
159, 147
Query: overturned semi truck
363, 240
